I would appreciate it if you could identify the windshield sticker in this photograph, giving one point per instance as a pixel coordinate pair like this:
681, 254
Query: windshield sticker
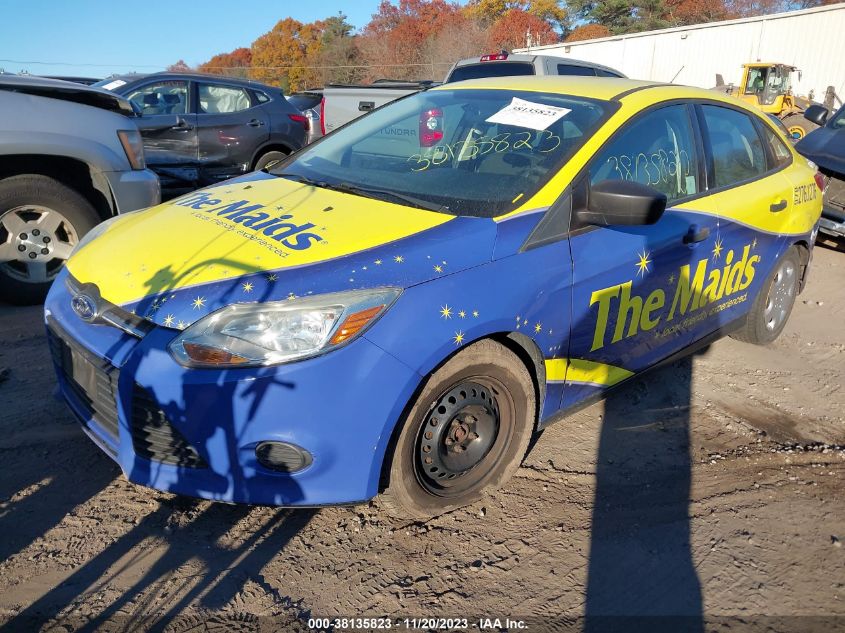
117, 83
522, 113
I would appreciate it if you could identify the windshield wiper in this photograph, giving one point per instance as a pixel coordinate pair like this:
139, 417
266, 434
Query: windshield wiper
366, 192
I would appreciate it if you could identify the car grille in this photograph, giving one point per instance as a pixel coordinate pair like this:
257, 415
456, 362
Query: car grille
99, 398
155, 438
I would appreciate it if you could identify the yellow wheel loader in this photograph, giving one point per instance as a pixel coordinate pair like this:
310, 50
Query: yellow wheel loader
768, 86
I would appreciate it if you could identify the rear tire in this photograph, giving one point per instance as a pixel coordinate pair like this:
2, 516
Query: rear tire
773, 305
798, 127
41, 220
466, 433
266, 160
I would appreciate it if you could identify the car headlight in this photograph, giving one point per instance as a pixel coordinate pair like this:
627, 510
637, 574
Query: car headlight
262, 334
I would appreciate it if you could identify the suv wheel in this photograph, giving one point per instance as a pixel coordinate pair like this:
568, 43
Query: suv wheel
41, 220
268, 159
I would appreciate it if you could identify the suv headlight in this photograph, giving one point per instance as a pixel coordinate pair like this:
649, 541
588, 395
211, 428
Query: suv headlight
262, 334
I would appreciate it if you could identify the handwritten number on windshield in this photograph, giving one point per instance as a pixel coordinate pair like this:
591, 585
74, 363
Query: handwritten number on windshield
468, 149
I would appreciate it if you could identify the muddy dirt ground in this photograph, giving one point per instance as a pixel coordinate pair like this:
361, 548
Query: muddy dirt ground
710, 489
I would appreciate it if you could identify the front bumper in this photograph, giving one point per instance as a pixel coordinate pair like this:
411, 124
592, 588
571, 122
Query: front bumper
341, 407
133, 190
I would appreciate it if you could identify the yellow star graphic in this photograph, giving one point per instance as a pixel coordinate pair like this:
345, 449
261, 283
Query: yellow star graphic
377, 262
671, 279
398, 259
717, 249
446, 312
475, 313
462, 314
754, 244
168, 320
643, 262
459, 338
198, 303
538, 327
438, 269
247, 286
272, 277
181, 324
291, 296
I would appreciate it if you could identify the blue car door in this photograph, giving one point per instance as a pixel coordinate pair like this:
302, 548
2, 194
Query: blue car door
632, 301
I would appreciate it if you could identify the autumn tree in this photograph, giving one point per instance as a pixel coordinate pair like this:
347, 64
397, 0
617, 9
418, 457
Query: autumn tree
588, 32
280, 56
234, 64
393, 44
518, 28
179, 67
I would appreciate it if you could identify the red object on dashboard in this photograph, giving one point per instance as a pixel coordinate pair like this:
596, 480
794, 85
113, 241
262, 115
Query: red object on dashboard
431, 127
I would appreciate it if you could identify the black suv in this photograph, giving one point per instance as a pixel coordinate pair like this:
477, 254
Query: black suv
225, 127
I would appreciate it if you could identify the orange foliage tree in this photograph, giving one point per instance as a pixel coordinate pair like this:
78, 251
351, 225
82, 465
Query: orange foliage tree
518, 28
234, 64
588, 32
282, 56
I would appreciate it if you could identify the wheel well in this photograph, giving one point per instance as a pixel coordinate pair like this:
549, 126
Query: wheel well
71, 172
804, 253
275, 147
527, 351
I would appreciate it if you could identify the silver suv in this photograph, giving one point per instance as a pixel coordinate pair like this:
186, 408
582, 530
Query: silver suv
70, 157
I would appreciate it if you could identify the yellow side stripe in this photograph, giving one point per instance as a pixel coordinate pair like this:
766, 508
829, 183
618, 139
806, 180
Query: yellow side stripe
580, 370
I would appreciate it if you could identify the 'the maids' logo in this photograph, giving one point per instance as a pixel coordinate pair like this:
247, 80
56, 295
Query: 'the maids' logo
251, 216
692, 291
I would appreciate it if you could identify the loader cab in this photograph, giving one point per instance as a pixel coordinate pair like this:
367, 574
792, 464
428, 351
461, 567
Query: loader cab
766, 85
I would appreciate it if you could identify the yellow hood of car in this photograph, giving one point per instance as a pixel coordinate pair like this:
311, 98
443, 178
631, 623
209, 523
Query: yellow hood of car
238, 228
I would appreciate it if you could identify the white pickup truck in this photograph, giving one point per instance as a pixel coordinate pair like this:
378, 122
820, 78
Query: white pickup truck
344, 102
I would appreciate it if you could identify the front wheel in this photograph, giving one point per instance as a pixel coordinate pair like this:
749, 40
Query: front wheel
798, 127
773, 305
41, 220
269, 159
465, 434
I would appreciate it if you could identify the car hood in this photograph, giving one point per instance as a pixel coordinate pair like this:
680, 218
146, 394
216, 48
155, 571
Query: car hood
68, 91
825, 147
263, 238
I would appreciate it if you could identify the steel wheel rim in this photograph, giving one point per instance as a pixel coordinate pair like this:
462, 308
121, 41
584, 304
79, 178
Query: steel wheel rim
439, 467
781, 296
35, 242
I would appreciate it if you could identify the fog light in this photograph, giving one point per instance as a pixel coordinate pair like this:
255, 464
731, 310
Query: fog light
282, 457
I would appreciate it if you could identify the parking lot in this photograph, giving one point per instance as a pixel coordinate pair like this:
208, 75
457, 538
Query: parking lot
713, 486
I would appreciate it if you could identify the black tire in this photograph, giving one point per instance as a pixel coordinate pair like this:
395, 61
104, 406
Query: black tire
268, 159
773, 305
797, 126
78, 216
484, 391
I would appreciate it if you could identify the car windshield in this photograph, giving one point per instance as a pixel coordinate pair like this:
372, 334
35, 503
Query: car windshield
465, 152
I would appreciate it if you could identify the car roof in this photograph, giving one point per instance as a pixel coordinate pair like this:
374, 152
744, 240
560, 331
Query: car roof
603, 88
166, 76
527, 57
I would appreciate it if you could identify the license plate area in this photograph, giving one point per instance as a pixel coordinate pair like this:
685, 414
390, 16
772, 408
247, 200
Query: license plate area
81, 371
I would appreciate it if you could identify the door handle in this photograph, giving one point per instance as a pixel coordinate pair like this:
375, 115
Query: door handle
255, 123
696, 234
182, 126
366, 106
778, 206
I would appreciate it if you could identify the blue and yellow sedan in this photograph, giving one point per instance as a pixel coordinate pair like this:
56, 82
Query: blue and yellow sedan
397, 308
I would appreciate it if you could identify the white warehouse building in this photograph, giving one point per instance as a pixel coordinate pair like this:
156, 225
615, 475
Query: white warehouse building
811, 39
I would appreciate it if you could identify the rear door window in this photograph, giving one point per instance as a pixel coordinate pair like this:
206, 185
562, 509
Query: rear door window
779, 153
738, 153
578, 71
491, 69
217, 99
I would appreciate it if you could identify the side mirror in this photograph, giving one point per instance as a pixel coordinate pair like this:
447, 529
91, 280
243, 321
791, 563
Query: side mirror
816, 114
159, 122
622, 203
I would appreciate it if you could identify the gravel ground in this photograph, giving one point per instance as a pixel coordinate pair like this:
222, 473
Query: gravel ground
711, 489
